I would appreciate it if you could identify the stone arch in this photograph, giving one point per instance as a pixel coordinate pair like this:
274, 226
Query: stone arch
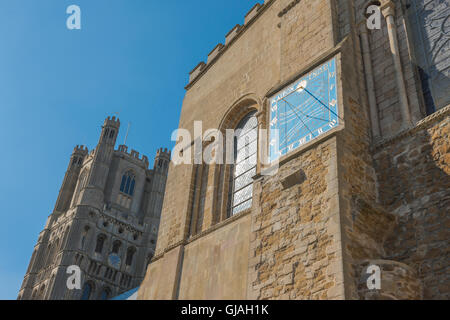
124, 184
239, 109
100, 243
202, 173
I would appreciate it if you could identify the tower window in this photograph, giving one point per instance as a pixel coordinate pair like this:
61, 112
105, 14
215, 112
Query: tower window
130, 254
128, 183
116, 246
112, 133
100, 242
84, 236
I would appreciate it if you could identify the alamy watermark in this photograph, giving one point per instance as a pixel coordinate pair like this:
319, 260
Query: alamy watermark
373, 17
374, 280
215, 147
74, 280
74, 20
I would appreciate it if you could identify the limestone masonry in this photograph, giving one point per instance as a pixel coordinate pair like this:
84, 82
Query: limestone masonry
373, 190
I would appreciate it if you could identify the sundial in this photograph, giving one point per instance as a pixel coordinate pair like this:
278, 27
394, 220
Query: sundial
304, 110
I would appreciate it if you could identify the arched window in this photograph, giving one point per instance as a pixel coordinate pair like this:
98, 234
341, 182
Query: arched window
87, 291
130, 254
84, 236
105, 294
116, 246
128, 183
100, 242
244, 168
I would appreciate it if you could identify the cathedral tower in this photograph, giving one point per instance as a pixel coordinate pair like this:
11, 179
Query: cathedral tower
105, 221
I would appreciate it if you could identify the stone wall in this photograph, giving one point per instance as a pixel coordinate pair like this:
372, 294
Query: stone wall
295, 244
215, 264
335, 203
414, 183
398, 281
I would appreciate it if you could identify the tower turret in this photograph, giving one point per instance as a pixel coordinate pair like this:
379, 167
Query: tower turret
70, 179
110, 130
162, 159
94, 192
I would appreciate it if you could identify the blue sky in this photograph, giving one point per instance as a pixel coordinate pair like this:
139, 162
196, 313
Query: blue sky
131, 57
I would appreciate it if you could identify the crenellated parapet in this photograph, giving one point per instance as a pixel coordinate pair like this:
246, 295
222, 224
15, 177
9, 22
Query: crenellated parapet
134, 154
112, 122
81, 150
230, 37
78, 155
164, 153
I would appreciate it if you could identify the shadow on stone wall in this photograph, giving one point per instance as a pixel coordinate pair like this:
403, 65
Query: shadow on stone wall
414, 184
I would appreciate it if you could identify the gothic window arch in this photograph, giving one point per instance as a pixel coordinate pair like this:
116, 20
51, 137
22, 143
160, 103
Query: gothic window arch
116, 246
128, 183
127, 188
130, 255
429, 23
100, 243
232, 184
84, 237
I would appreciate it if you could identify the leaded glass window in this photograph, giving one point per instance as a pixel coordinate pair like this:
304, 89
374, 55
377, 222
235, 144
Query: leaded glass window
430, 29
128, 183
245, 158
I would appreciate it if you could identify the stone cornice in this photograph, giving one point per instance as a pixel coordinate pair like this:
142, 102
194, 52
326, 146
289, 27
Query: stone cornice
424, 123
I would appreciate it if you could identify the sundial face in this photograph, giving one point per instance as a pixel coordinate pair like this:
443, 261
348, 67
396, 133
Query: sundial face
304, 110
